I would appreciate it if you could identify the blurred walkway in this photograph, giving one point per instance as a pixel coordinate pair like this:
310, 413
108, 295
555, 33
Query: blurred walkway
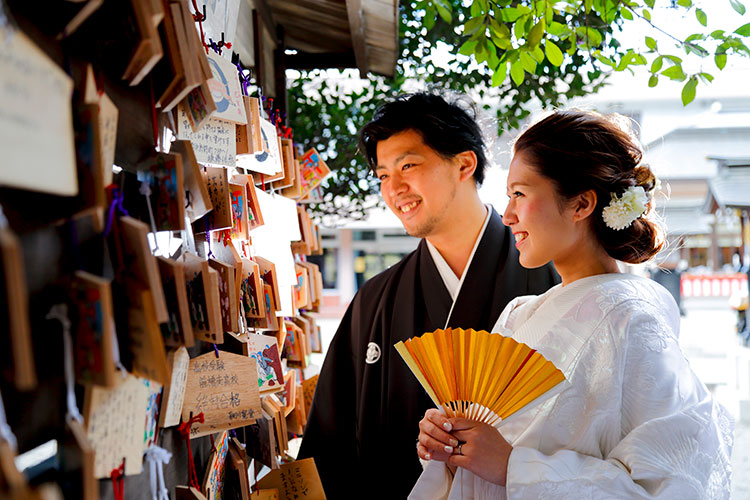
717, 356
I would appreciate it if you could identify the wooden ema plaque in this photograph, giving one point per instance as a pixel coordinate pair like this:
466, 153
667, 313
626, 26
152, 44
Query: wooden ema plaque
227, 294
217, 182
214, 480
240, 219
164, 174
174, 392
15, 307
225, 389
178, 330
197, 201
298, 479
251, 291
203, 299
94, 332
145, 341
116, 425
141, 264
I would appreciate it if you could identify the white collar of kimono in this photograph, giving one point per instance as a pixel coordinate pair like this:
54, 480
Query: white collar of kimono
452, 282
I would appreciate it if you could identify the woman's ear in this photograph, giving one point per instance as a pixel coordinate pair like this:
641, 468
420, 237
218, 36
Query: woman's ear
584, 205
467, 164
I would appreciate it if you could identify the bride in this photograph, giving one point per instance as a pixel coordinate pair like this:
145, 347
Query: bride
633, 420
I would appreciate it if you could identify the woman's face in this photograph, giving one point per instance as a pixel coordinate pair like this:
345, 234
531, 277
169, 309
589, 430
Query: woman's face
542, 225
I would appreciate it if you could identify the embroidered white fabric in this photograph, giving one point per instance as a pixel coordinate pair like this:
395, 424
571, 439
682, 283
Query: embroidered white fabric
635, 421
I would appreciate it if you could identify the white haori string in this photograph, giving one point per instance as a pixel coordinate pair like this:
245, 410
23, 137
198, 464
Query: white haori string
145, 190
6, 433
157, 458
60, 313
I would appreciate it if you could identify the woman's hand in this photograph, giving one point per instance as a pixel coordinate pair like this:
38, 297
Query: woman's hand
484, 451
435, 441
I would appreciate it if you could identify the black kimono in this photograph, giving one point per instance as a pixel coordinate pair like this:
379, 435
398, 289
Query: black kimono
363, 425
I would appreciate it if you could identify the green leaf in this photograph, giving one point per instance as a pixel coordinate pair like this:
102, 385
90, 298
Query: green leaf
653, 81
721, 60
557, 29
476, 9
519, 29
688, 91
536, 34
674, 59
647, 14
604, 59
650, 3
674, 73
739, 7
625, 12
501, 72
473, 25
650, 43
444, 11
554, 54
516, 72
590, 36
743, 30
706, 77
528, 62
657, 64
587, 4
510, 14
717, 34
685, 3
696, 49
467, 48
538, 54
701, 16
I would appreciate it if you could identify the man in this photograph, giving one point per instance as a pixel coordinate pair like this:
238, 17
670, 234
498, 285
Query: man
364, 421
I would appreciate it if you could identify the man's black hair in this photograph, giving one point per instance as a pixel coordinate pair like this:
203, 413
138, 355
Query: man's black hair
449, 128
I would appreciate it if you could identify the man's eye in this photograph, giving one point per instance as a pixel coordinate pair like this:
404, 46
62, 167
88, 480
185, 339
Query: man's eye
407, 165
517, 194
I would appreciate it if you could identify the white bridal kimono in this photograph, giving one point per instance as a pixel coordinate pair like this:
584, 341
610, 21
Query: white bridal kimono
633, 420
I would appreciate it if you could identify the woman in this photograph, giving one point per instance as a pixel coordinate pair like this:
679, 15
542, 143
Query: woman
632, 421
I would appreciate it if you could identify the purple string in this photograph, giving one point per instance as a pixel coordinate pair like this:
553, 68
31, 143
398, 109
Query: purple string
244, 80
216, 349
208, 240
117, 198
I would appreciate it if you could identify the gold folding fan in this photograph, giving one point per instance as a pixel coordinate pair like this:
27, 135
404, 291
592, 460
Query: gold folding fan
478, 375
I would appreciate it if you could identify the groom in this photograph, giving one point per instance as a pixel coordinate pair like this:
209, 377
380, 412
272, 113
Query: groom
429, 156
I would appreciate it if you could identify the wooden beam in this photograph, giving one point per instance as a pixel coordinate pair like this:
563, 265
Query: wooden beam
266, 17
326, 60
356, 16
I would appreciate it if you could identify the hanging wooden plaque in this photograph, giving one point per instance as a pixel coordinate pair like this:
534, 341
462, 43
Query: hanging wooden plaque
227, 294
174, 392
178, 330
224, 389
94, 330
197, 201
164, 175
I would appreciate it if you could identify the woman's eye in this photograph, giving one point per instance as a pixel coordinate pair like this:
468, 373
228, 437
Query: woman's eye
517, 194
408, 165
382, 177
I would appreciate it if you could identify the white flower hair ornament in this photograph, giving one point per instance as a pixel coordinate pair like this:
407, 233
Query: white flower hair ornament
624, 210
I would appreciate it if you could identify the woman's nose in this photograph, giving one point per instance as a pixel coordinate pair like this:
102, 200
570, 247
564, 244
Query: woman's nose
508, 215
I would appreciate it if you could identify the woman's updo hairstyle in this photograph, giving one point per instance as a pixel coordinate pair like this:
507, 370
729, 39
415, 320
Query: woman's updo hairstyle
579, 151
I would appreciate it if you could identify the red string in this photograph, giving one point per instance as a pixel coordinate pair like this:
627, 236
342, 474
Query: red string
184, 430
118, 481
263, 182
153, 115
199, 19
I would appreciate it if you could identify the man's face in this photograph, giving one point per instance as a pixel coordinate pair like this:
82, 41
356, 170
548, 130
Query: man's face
417, 184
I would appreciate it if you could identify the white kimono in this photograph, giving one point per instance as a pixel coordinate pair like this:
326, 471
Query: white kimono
633, 420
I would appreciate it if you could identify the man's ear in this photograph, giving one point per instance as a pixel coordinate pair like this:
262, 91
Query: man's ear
584, 205
467, 164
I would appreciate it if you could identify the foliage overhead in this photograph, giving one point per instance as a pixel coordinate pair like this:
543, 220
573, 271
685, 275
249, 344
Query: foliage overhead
507, 54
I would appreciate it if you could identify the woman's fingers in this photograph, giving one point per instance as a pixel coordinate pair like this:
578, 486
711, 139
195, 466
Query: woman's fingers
435, 428
434, 446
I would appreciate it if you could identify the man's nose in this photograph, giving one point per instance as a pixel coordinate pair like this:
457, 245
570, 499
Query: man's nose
397, 186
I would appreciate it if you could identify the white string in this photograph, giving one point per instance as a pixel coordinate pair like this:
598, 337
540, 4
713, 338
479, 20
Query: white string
145, 190
116, 351
60, 313
157, 458
6, 433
